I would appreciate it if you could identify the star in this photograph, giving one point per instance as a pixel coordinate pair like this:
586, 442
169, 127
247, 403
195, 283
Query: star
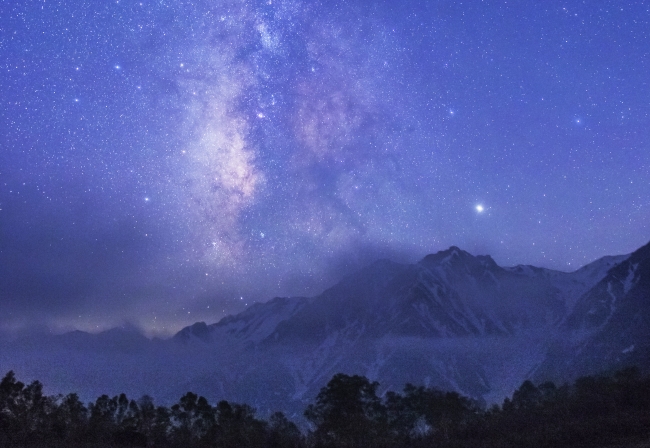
279, 146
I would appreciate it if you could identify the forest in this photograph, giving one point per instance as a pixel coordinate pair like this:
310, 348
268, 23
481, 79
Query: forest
595, 411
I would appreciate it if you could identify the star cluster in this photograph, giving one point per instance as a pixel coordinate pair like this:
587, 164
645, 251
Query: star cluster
164, 162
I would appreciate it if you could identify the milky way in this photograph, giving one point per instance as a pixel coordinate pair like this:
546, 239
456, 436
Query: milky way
167, 162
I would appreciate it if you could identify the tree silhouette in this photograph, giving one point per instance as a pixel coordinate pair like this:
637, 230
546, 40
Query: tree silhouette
69, 418
595, 411
422, 411
282, 432
348, 412
237, 426
193, 418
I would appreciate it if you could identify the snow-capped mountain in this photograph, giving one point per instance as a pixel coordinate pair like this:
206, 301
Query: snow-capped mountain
609, 327
453, 320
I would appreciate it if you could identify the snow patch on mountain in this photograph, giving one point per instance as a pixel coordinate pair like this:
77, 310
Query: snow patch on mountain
630, 280
451, 321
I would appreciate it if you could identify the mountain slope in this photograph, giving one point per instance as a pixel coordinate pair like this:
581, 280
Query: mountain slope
453, 320
609, 327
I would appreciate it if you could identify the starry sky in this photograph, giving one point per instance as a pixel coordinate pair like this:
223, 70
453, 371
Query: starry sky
164, 162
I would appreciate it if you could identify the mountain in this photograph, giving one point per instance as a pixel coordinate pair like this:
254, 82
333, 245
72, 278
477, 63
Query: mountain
453, 320
609, 327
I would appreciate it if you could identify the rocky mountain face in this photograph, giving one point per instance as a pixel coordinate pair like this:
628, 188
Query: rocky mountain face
454, 321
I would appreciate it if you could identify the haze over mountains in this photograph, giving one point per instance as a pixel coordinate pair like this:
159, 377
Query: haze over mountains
453, 320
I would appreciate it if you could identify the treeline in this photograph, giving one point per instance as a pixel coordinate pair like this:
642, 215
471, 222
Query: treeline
595, 411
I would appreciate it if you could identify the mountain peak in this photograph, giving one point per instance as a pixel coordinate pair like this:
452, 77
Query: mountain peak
198, 330
456, 256
445, 255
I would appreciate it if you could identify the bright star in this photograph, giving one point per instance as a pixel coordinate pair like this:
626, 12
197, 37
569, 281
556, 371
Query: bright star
479, 208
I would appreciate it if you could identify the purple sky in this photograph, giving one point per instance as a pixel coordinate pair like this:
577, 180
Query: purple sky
164, 162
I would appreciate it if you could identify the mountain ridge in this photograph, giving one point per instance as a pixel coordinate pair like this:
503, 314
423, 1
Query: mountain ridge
451, 320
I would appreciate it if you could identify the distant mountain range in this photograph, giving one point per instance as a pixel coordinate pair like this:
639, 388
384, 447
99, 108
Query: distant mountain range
454, 321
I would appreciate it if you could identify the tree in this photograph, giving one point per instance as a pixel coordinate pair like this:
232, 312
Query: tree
527, 397
237, 426
24, 411
101, 424
69, 417
348, 412
128, 421
193, 417
160, 430
10, 392
282, 432
422, 411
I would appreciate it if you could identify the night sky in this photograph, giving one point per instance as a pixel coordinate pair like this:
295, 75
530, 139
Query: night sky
164, 162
